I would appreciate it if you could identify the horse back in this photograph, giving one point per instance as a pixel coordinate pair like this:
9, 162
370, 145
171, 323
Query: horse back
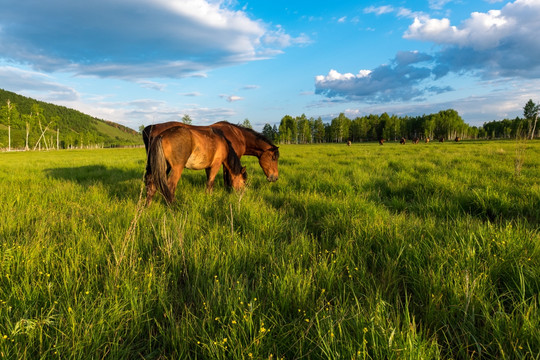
151, 131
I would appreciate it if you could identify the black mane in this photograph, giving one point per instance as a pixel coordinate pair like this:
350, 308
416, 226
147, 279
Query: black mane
258, 135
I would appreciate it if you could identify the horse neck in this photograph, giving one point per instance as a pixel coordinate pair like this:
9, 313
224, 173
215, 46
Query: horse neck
255, 145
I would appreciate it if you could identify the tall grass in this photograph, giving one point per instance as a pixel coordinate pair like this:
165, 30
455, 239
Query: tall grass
364, 252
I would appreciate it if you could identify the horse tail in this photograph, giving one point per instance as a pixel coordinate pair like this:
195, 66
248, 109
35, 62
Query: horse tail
158, 165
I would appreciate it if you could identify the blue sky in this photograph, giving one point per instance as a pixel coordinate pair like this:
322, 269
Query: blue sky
138, 62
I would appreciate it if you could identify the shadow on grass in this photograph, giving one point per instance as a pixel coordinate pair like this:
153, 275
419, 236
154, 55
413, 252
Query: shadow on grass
121, 183
426, 200
118, 182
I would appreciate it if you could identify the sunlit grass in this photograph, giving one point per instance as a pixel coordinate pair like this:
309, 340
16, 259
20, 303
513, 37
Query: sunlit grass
361, 252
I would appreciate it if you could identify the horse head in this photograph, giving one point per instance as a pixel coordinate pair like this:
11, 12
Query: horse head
269, 163
239, 181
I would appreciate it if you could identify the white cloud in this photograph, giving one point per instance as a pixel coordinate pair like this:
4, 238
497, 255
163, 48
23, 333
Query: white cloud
281, 39
231, 98
480, 31
134, 39
31, 82
438, 4
495, 43
400, 81
379, 10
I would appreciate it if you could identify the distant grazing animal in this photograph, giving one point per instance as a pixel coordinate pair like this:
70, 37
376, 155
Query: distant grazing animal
416, 140
244, 141
427, 140
457, 139
182, 147
402, 141
381, 141
441, 139
349, 143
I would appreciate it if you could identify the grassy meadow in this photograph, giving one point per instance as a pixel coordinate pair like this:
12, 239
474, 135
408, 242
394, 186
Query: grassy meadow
427, 251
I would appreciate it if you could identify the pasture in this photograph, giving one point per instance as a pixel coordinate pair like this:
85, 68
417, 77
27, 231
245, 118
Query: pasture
420, 251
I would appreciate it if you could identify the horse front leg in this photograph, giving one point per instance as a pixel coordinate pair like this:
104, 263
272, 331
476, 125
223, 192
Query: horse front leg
227, 178
210, 177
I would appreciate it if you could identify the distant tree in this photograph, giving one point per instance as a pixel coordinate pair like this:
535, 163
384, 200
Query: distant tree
141, 128
530, 111
9, 113
268, 132
275, 133
247, 124
340, 128
186, 119
318, 130
288, 131
303, 129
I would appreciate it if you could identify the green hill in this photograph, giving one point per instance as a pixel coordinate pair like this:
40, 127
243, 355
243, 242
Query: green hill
66, 127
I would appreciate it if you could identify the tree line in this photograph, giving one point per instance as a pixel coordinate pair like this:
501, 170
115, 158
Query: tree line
446, 124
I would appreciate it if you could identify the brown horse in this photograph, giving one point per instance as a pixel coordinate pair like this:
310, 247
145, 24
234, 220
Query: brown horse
427, 140
381, 141
457, 139
402, 141
180, 147
244, 141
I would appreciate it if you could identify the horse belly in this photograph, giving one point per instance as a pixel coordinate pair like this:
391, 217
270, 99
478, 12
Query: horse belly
197, 161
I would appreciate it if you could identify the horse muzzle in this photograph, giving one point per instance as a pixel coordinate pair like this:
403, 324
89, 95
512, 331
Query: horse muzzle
272, 178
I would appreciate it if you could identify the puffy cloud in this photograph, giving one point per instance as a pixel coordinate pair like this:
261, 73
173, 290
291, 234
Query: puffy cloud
135, 38
399, 81
492, 44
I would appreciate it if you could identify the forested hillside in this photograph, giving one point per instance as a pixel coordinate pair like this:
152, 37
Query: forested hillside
37, 124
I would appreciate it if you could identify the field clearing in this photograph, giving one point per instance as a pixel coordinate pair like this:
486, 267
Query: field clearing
420, 251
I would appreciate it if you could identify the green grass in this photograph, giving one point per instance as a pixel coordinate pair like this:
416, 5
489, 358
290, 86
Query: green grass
365, 252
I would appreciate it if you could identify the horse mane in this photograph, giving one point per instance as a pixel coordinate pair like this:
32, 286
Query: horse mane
257, 135
232, 159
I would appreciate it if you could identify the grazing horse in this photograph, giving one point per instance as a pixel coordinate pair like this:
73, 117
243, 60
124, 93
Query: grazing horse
244, 141
416, 140
180, 147
457, 139
381, 141
441, 139
349, 143
402, 141
427, 140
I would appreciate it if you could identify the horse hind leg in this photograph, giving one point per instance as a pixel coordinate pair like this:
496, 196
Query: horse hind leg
150, 189
172, 181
